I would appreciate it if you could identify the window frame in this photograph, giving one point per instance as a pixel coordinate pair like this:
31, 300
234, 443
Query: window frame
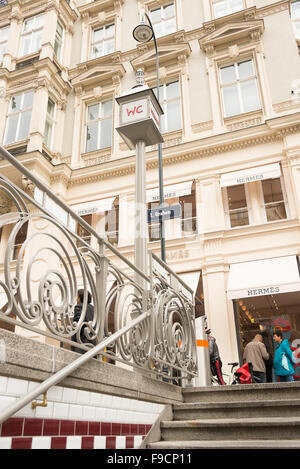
284, 200
163, 20
4, 42
98, 120
31, 33
19, 113
59, 40
164, 124
102, 42
228, 11
52, 120
227, 210
237, 83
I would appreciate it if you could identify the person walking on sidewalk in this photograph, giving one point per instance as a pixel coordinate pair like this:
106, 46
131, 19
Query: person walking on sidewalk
283, 359
256, 353
214, 356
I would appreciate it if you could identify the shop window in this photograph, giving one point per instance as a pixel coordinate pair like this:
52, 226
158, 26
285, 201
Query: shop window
103, 41
99, 126
169, 97
59, 38
112, 225
163, 20
226, 7
20, 239
18, 118
3, 41
82, 232
189, 219
273, 199
239, 88
263, 315
31, 36
237, 205
184, 222
49, 124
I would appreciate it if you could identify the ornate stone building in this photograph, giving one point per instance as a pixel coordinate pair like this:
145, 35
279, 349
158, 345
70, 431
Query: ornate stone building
230, 89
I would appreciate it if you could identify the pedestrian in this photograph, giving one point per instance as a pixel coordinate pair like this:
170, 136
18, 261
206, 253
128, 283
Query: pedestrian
89, 316
283, 358
214, 357
256, 353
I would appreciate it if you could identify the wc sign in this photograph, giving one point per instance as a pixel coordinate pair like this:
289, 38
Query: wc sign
140, 109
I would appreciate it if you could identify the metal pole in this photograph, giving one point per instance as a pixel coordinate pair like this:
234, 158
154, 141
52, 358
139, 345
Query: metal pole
160, 166
140, 212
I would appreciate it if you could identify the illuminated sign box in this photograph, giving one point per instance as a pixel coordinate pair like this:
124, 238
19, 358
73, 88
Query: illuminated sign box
139, 117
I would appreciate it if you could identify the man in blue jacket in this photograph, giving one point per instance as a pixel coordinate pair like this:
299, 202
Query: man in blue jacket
283, 358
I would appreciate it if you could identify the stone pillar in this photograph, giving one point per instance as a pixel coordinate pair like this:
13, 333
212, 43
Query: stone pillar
38, 116
49, 30
77, 128
209, 192
15, 29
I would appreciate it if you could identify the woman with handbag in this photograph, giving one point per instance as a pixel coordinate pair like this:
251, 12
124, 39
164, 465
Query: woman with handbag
283, 358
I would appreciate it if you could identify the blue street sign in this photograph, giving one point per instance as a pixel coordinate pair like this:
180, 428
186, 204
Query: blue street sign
166, 213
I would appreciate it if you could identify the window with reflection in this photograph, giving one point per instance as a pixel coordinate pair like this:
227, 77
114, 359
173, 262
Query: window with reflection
163, 20
239, 88
31, 36
18, 118
99, 126
237, 205
103, 41
273, 199
226, 7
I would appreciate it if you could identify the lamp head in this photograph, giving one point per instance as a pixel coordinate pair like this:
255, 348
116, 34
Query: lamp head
143, 32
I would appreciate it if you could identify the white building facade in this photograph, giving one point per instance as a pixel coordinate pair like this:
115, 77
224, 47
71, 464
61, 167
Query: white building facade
230, 89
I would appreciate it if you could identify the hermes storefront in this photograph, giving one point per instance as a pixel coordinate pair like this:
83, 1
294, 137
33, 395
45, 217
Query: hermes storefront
266, 295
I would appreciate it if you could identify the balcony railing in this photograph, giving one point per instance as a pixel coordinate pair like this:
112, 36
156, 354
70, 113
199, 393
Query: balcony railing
39, 284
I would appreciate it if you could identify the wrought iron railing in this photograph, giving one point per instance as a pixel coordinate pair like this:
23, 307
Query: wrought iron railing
39, 283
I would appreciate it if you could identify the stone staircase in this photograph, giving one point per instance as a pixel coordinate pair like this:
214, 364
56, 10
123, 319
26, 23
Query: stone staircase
261, 416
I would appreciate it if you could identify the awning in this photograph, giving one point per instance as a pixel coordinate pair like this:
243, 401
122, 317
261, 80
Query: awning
269, 171
191, 279
95, 206
263, 277
170, 192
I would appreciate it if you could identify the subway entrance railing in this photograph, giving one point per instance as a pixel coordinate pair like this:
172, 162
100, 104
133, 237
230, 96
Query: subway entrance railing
150, 328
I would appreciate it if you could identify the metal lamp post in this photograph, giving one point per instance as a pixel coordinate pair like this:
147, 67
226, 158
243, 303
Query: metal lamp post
139, 127
144, 33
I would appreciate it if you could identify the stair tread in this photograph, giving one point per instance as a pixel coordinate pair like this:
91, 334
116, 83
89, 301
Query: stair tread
233, 421
251, 403
222, 444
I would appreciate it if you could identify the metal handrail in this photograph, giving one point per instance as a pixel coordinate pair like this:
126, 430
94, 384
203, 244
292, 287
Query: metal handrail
60, 375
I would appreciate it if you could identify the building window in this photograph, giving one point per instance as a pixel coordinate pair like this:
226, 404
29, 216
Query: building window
59, 37
112, 225
226, 7
239, 88
295, 16
237, 205
163, 20
3, 41
49, 124
84, 234
31, 36
103, 41
169, 97
99, 126
18, 118
273, 199
189, 218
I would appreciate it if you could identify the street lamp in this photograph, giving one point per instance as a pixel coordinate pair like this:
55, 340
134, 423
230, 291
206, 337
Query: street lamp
144, 33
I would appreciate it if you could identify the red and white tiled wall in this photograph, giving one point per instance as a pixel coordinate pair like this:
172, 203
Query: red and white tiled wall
74, 419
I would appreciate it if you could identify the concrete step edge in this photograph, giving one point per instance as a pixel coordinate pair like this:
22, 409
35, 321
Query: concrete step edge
257, 421
217, 405
226, 444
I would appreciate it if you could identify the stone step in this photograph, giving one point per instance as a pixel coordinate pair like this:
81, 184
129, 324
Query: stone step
225, 444
237, 409
250, 392
232, 429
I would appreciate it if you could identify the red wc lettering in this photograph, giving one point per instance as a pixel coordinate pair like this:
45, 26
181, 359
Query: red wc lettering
135, 110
